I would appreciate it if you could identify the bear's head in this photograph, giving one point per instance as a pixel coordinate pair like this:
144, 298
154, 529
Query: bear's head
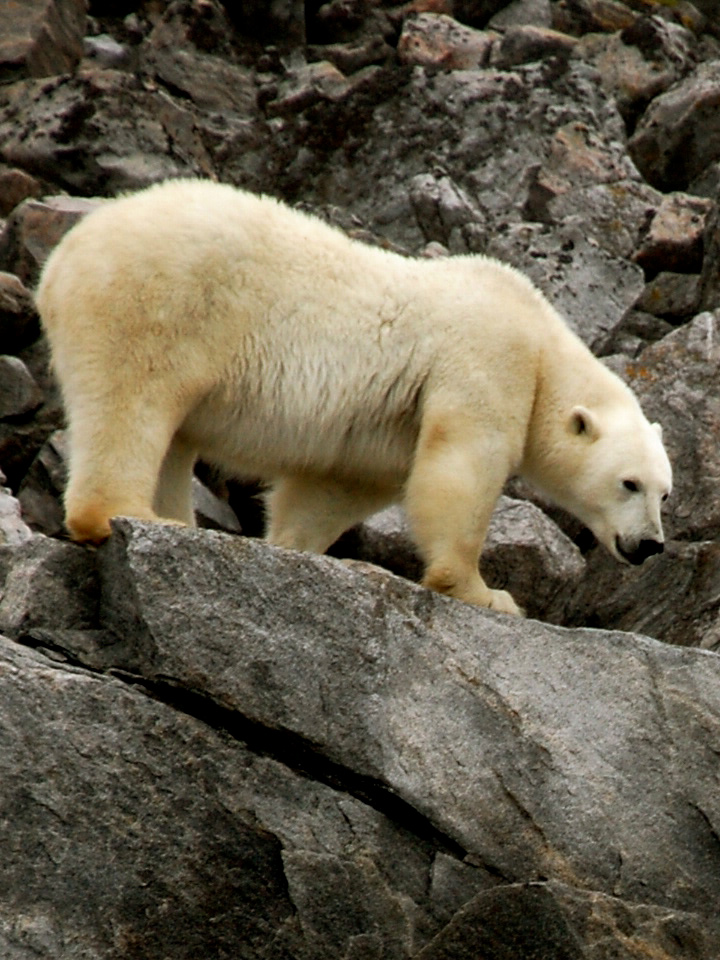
615, 478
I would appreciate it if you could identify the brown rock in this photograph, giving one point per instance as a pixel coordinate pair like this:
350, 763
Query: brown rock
313, 83
181, 51
585, 16
34, 228
701, 13
661, 41
696, 16
19, 324
579, 155
15, 186
436, 40
349, 57
675, 238
40, 38
428, 6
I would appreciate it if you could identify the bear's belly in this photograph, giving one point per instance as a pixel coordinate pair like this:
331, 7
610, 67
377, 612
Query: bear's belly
265, 445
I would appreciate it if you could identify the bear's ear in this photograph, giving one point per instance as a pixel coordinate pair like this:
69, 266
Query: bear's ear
658, 430
583, 422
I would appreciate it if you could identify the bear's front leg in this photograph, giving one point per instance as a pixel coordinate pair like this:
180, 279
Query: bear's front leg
451, 493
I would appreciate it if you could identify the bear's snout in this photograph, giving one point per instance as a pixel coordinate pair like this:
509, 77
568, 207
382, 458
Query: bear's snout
639, 554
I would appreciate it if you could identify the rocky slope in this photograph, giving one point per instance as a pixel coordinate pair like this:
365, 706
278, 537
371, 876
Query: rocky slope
211, 748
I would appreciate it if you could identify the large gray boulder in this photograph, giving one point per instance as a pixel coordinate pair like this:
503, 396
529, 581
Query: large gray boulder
505, 753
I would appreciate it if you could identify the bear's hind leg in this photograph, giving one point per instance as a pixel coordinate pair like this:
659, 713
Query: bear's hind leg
173, 496
310, 513
115, 464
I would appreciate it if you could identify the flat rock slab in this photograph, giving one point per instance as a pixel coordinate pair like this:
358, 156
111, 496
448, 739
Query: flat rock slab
133, 830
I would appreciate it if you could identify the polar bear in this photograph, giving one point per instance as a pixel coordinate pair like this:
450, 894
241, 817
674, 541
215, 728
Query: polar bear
194, 320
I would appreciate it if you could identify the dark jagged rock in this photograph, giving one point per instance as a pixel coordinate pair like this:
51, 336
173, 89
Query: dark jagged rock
19, 325
679, 134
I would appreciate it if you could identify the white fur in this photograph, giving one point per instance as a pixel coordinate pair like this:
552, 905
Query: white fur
195, 320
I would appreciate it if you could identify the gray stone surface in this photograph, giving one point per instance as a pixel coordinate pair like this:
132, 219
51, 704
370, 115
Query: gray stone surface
13, 529
43, 485
436, 40
592, 289
47, 125
19, 394
360, 699
536, 751
47, 584
679, 591
675, 296
138, 830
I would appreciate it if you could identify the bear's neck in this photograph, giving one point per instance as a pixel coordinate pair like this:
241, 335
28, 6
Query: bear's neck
568, 376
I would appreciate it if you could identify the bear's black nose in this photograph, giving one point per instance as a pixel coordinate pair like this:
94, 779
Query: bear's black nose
645, 549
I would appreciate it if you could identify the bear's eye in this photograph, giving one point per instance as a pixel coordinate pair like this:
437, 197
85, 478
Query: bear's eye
664, 497
631, 486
